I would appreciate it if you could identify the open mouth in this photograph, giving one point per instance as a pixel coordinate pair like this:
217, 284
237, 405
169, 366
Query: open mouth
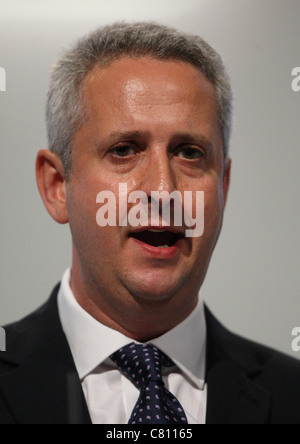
158, 238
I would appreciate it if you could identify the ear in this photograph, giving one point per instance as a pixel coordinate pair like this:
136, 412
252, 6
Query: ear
226, 181
51, 182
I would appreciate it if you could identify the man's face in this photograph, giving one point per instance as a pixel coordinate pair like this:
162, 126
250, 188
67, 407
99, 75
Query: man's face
153, 125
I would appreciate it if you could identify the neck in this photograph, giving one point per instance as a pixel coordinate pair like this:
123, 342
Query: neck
139, 319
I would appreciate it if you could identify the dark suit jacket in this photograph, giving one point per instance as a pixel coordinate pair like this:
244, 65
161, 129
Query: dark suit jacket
247, 383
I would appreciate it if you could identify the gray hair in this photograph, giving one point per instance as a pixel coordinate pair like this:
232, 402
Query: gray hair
65, 110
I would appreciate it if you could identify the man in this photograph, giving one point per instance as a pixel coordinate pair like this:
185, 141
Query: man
125, 337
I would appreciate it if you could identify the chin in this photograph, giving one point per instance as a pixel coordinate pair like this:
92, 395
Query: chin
156, 288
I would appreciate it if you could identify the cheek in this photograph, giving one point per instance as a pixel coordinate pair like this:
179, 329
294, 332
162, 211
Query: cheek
95, 245
213, 208
83, 208
204, 245
82, 222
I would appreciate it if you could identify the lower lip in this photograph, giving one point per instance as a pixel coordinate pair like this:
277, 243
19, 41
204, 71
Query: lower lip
161, 253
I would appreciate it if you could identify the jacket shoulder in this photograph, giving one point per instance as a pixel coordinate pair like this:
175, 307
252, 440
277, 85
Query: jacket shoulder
281, 376
274, 372
26, 336
252, 356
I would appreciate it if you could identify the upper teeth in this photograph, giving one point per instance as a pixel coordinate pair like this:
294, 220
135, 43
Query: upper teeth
158, 231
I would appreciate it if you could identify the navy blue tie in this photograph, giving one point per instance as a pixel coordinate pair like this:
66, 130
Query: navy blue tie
142, 365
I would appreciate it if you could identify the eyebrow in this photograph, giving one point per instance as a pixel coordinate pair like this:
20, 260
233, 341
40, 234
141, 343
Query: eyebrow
129, 135
185, 137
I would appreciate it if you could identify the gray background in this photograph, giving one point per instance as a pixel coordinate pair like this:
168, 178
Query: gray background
253, 282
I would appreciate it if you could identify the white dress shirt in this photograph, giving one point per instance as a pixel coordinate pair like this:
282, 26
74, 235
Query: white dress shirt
110, 396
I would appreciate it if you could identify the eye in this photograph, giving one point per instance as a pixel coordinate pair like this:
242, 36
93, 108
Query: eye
123, 151
190, 153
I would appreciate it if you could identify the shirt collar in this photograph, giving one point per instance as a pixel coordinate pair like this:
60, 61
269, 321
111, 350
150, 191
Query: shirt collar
92, 343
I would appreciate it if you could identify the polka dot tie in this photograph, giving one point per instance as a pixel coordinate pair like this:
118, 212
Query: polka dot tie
142, 365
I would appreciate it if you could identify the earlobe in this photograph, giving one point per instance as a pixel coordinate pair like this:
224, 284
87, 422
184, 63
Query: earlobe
51, 183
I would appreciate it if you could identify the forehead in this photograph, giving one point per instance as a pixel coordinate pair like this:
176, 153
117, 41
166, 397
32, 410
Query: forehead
146, 91
145, 77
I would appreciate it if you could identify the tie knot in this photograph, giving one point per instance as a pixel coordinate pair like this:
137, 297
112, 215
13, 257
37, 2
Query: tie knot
141, 363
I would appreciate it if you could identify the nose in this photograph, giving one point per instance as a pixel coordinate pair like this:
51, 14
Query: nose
158, 174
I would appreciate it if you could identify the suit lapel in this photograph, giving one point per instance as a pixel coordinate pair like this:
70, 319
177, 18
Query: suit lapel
233, 396
43, 386
234, 399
